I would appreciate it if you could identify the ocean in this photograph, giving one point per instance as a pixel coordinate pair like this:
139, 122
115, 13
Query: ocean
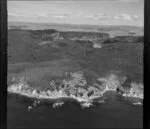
115, 111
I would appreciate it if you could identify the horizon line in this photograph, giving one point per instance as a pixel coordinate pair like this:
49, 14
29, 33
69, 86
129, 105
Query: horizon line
71, 24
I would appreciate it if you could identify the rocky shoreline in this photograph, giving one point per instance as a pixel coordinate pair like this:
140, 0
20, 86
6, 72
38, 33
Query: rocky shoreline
76, 87
21, 90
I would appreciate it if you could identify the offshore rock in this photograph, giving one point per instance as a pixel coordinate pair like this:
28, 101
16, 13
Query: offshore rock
29, 108
86, 104
58, 104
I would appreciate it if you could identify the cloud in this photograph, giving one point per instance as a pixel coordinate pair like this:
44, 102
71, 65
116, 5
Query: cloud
126, 17
80, 14
123, 17
16, 14
136, 17
28, 14
125, 1
129, 1
41, 15
60, 16
97, 16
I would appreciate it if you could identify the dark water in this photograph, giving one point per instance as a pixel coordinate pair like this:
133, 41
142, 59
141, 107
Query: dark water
116, 112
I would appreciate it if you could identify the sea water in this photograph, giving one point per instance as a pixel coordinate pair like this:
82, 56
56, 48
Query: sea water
111, 111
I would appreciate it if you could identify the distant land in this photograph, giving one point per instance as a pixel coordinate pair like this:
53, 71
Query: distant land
113, 31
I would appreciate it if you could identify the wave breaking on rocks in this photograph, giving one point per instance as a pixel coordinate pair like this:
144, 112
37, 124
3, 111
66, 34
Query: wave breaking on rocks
77, 87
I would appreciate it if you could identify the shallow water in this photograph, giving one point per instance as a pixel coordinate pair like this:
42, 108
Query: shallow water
115, 112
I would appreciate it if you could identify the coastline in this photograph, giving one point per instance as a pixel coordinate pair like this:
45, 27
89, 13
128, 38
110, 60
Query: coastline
79, 99
33, 94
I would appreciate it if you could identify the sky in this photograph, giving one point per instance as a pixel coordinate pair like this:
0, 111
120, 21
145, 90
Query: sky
93, 12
